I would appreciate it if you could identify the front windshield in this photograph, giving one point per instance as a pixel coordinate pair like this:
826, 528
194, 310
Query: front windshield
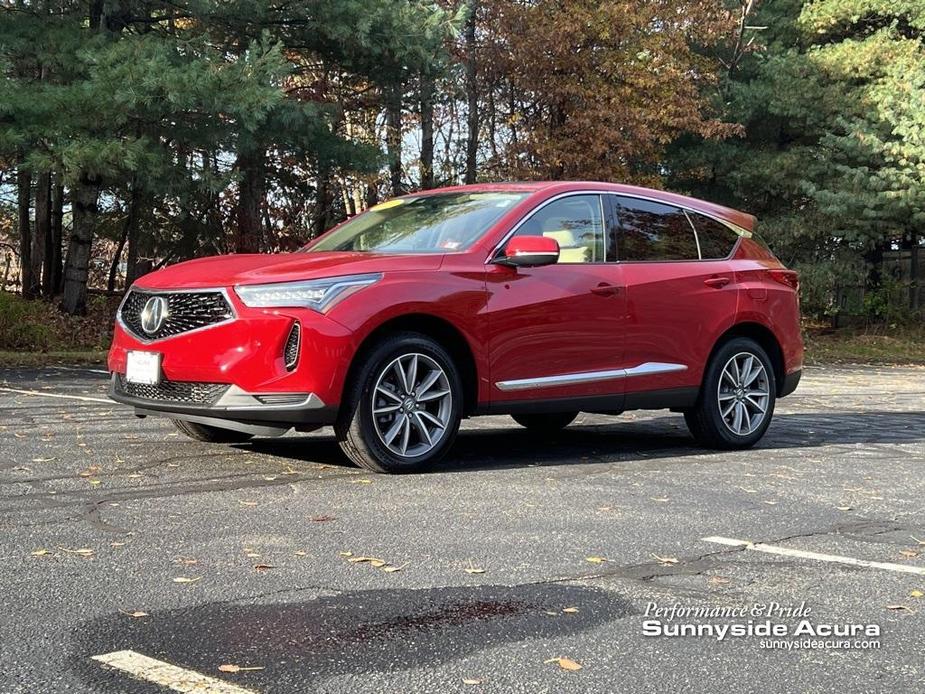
428, 224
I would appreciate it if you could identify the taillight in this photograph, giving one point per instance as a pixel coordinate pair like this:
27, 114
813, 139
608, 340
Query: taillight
789, 277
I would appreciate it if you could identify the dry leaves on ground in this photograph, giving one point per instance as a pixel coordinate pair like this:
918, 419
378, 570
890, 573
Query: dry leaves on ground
230, 667
187, 579
564, 663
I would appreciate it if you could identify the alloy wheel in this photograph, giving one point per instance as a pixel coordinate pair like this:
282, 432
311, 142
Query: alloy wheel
743, 393
412, 404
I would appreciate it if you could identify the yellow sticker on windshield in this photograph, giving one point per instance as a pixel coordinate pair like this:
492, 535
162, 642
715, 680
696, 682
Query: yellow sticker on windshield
387, 204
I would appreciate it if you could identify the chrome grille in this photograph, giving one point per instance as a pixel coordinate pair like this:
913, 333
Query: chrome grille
186, 392
185, 311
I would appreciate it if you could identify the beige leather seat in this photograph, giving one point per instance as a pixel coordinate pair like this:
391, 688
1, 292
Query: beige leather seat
569, 250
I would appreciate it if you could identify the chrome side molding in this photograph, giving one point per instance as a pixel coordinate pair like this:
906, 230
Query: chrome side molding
649, 368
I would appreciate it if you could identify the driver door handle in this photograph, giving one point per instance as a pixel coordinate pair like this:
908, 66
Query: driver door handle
604, 289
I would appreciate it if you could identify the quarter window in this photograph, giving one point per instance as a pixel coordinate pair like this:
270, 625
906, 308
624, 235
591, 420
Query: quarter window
576, 222
716, 239
653, 231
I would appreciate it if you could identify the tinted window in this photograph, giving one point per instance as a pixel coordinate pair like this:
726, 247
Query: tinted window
716, 239
653, 231
576, 223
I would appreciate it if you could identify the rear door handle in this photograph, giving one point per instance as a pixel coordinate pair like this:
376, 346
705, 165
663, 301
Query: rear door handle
605, 289
717, 282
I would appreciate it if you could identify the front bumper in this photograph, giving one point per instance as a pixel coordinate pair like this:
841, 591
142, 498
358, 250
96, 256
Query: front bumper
234, 406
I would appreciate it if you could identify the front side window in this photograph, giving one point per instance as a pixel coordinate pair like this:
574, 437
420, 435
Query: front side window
575, 222
653, 231
428, 224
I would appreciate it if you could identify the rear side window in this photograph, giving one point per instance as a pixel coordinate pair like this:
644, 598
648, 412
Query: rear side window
716, 239
653, 231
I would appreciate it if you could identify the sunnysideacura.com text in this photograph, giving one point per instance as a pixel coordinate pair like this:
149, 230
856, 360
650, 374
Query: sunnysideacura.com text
775, 626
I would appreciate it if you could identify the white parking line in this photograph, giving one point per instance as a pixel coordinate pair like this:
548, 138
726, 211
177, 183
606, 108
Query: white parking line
78, 368
176, 678
803, 554
55, 395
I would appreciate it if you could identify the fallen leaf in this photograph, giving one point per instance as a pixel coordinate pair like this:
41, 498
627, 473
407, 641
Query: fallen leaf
346, 554
905, 608
909, 553
393, 569
719, 580
229, 667
83, 551
263, 567
361, 560
184, 579
322, 519
88, 472
95, 482
472, 680
248, 503
916, 593
660, 498
471, 569
377, 563
300, 553
361, 481
564, 663
842, 508
43, 460
40, 552
665, 561
117, 544
596, 560
570, 610
137, 614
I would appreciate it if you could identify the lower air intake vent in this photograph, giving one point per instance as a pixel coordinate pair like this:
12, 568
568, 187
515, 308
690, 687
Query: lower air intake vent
186, 392
291, 353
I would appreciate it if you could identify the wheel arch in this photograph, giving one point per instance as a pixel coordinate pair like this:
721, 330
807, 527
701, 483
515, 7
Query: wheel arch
439, 329
765, 337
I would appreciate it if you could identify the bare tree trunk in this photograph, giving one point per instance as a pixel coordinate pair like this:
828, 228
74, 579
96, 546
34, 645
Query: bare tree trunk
250, 200
914, 302
41, 239
322, 202
472, 96
427, 131
24, 207
57, 238
393, 138
84, 203
131, 224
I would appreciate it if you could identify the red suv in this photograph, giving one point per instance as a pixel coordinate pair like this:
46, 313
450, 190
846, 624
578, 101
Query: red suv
539, 300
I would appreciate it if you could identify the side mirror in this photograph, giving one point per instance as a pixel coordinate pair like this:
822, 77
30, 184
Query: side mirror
530, 251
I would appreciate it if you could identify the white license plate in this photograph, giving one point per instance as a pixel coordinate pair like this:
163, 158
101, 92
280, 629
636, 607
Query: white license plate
143, 367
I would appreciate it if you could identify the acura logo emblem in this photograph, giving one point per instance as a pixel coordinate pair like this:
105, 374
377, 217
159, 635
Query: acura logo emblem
154, 314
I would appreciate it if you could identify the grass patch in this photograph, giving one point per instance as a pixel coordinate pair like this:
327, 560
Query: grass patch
37, 359
895, 345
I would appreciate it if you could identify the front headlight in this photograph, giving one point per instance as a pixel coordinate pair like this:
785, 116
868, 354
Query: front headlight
316, 294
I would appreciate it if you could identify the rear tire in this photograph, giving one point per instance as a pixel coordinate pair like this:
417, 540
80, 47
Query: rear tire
210, 434
403, 406
736, 402
545, 422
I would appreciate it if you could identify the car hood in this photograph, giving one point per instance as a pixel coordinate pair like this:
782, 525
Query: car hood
229, 270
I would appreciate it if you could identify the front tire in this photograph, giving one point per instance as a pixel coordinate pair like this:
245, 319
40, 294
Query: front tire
737, 399
545, 422
210, 434
403, 406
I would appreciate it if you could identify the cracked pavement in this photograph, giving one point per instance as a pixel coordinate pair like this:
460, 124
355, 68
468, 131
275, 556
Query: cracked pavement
100, 512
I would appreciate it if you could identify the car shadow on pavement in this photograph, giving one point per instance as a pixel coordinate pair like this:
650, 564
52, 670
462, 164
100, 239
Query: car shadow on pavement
615, 440
344, 633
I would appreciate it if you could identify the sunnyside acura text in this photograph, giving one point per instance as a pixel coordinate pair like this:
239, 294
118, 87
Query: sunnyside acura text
539, 300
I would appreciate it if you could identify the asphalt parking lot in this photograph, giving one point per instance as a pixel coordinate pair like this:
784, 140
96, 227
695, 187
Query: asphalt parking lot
122, 537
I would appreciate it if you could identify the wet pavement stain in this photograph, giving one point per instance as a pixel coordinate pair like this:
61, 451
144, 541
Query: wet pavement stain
351, 633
